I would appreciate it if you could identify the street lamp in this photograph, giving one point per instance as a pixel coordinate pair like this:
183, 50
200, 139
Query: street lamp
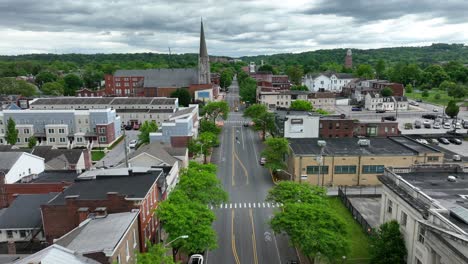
321, 144
290, 175
183, 237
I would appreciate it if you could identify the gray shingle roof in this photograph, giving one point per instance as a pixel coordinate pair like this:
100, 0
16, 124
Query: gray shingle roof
25, 211
157, 150
183, 77
56, 254
99, 234
8, 159
71, 156
103, 101
183, 112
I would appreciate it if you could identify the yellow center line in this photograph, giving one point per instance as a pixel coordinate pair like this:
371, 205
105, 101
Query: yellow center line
243, 167
233, 240
254, 241
233, 154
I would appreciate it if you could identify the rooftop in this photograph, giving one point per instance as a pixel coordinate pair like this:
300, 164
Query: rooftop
8, 159
56, 254
70, 156
96, 186
99, 234
163, 77
52, 176
157, 150
25, 211
103, 101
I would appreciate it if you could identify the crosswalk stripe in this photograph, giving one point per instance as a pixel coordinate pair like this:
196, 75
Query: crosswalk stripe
278, 204
268, 204
253, 205
221, 206
258, 205
230, 206
263, 204
225, 206
245, 205
235, 205
249, 205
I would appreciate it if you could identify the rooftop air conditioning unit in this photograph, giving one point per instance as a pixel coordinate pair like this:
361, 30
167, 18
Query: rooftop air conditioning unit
363, 142
321, 143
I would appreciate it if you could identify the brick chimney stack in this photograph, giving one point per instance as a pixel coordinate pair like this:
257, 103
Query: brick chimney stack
83, 213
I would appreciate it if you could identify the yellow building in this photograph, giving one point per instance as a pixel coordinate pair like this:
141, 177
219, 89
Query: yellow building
352, 161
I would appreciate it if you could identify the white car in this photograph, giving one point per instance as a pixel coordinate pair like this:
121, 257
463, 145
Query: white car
133, 143
436, 126
447, 126
458, 126
196, 259
435, 110
422, 141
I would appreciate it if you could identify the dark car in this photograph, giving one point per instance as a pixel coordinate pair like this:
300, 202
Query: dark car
128, 127
419, 100
246, 124
380, 111
429, 116
390, 118
444, 141
356, 108
455, 141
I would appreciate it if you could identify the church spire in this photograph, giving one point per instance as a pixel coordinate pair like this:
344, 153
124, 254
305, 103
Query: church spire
204, 75
203, 49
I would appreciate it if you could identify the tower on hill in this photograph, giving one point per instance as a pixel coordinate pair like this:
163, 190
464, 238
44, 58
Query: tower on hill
204, 75
349, 59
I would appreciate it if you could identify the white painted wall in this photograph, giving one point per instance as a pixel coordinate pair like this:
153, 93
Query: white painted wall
26, 165
17, 235
301, 126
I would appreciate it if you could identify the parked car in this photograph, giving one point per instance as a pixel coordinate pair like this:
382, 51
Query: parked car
444, 141
133, 143
434, 141
262, 161
455, 141
136, 127
196, 259
465, 124
458, 126
128, 127
435, 110
417, 124
419, 100
427, 124
356, 108
414, 103
429, 116
380, 111
447, 126
436, 126
422, 141
456, 158
237, 109
390, 118
246, 124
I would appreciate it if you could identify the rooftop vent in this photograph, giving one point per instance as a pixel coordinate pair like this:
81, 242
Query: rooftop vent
321, 143
460, 213
363, 142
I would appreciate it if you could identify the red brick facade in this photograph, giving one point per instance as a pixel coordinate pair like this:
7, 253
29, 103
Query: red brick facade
376, 129
336, 128
85, 92
397, 88
105, 133
124, 86
8, 191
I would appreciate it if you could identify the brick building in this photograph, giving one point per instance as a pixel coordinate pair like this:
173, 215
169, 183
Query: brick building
336, 127
86, 92
118, 190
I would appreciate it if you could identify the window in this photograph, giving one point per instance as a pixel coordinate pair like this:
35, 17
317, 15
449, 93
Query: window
432, 158
62, 140
102, 139
347, 169
371, 169
118, 259
404, 218
102, 130
26, 131
26, 140
117, 84
51, 131
79, 139
52, 140
126, 79
22, 233
127, 84
128, 252
315, 169
61, 130
421, 234
9, 234
18, 140
134, 239
389, 206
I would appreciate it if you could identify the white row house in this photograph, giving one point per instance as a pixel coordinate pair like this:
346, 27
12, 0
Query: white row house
376, 102
327, 81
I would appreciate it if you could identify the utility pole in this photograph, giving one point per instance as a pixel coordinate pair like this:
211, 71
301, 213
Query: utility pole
125, 147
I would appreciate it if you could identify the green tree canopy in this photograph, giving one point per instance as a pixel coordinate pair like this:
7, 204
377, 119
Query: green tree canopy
248, 90
45, 77
386, 92
52, 88
275, 153
292, 192
388, 245
215, 109
92, 78
156, 254
295, 73
11, 133
364, 71
72, 82
409, 88
452, 109
226, 78
458, 91
299, 88
145, 129
301, 105
380, 69
263, 120
204, 143
265, 68
208, 126
183, 95
32, 142
11, 86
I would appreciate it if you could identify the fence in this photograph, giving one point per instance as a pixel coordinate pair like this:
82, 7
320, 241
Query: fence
356, 215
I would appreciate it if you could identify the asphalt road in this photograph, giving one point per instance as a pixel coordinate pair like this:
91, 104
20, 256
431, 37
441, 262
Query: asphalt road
244, 235
117, 154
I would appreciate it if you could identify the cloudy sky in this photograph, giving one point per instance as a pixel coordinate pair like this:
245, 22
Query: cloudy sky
232, 27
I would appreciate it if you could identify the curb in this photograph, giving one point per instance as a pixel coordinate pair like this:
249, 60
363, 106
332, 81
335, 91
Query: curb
275, 181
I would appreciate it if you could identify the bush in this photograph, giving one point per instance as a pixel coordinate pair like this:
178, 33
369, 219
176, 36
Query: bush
437, 96
425, 93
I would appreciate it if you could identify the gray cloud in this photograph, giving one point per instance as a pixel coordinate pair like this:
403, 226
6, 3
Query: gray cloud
233, 28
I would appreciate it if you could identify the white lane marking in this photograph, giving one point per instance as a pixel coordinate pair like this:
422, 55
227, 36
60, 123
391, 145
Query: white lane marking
258, 205
263, 205
235, 205
249, 205
268, 204
245, 205
225, 206
253, 205
242, 136
230, 206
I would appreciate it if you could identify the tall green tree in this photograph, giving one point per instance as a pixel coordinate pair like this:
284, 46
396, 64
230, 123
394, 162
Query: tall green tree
183, 95
292, 192
52, 88
32, 142
385, 92
226, 78
208, 126
295, 73
263, 120
204, 143
215, 109
145, 129
380, 69
72, 82
458, 91
45, 77
365, 71
156, 254
301, 105
452, 109
248, 90
299, 88
275, 153
409, 88
388, 245
11, 133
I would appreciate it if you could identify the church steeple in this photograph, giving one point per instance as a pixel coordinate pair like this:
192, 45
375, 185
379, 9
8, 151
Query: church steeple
204, 75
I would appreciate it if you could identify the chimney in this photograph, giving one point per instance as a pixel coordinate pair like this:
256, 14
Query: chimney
83, 213
100, 212
130, 172
11, 247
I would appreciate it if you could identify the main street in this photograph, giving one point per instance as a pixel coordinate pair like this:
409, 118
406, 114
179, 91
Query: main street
244, 235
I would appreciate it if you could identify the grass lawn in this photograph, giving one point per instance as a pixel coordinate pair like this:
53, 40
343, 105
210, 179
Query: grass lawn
97, 155
358, 240
444, 98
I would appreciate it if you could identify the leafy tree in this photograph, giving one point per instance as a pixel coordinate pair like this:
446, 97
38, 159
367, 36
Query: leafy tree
386, 92
145, 129
72, 83
295, 74
313, 228
215, 109
265, 68
409, 88
380, 69
275, 153
292, 192
301, 105
184, 96
299, 88
205, 142
457, 91
201, 184
156, 254
263, 120
52, 88
226, 79
365, 71
248, 90
45, 77
32, 142
425, 93
182, 216
447, 85
322, 112
10, 86
11, 134
92, 78
388, 245
452, 109
437, 96
208, 126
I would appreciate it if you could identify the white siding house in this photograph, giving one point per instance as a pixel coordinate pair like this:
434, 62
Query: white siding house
327, 81
16, 166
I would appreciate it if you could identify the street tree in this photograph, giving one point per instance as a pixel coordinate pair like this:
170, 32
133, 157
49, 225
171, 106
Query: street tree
156, 254
295, 73
11, 135
380, 69
52, 88
208, 126
293, 192
275, 153
11, 86
388, 245
205, 142
182, 216
184, 96
215, 109
45, 77
314, 228
301, 105
145, 129
299, 88
248, 90
201, 184
365, 71
385, 92
72, 83
32, 142
263, 120
458, 91
409, 88
452, 109
226, 78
